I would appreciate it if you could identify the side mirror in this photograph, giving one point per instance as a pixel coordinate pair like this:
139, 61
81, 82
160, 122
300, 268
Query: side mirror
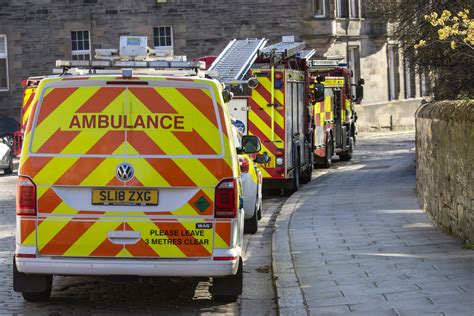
227, 95
318, 92
251, 144
359, 90
359, 93
262, 158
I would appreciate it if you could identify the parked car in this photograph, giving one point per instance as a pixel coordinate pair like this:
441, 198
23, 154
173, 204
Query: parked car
251, 178
8, 127
6, 156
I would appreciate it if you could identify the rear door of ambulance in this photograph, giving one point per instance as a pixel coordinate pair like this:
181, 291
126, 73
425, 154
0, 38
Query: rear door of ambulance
128, 168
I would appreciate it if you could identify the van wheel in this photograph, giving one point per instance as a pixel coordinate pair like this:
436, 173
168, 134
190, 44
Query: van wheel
229, 288
34, 287
251, 224
347, 155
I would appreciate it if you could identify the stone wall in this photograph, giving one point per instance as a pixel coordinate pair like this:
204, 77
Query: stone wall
396, 115
445, 165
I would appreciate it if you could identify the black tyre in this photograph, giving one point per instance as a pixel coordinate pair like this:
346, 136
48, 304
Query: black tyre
34, 288
326, 161
307, 174
347, 155
295, 184
251, 224
229, 288
37, 297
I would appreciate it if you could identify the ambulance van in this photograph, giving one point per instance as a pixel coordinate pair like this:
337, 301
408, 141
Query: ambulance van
128, 175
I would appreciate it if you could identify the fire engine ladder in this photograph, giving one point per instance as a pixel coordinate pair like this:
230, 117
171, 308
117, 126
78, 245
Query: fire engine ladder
235, 60
284, 49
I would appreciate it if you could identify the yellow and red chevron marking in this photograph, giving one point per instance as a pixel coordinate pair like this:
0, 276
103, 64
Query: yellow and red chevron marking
223, 234
27, 226
260, 123
86, 158
28, 96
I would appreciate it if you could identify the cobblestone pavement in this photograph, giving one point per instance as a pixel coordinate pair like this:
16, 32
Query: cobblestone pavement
94, 295
360, 244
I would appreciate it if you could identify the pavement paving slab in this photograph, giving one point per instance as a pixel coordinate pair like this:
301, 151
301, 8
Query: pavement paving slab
358, 243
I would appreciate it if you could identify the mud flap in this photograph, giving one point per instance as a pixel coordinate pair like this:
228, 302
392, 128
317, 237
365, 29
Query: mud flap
229, 287
30, 283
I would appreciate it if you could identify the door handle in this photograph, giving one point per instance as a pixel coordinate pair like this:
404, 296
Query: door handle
128, 237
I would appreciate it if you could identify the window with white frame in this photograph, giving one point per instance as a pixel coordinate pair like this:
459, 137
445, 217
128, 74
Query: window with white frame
163, 37
3, 63
342, 8
354, 9
393, 72
320, 8
81, 45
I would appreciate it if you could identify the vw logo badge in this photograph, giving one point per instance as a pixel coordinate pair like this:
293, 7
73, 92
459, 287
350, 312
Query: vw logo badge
125, 172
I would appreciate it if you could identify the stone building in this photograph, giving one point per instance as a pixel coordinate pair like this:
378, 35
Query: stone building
34, 33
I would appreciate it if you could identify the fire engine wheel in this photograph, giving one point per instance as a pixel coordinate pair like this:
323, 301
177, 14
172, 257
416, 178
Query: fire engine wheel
229, 288
326, 161
251, 224
308, 173
347, 155
40, 285
295, 184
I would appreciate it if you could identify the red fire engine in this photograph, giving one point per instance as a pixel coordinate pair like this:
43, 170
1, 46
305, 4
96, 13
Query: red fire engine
334, 117
276, 108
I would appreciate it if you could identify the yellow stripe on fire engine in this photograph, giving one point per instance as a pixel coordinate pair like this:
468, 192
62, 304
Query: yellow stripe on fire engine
262, 103
267, 84
333, 82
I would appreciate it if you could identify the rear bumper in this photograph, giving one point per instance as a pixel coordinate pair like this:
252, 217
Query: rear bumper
133, 267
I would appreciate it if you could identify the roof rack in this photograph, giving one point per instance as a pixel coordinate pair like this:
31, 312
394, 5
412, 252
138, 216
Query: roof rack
119, 64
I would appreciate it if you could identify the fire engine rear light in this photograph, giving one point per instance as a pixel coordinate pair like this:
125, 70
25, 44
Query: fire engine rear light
244, 164
279, 161
25, 197
280, 169
279, 152
226, 199
224, 258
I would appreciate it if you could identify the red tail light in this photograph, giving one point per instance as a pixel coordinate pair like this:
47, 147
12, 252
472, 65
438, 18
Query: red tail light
25, 197
280, 152
226, 199
244, 164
